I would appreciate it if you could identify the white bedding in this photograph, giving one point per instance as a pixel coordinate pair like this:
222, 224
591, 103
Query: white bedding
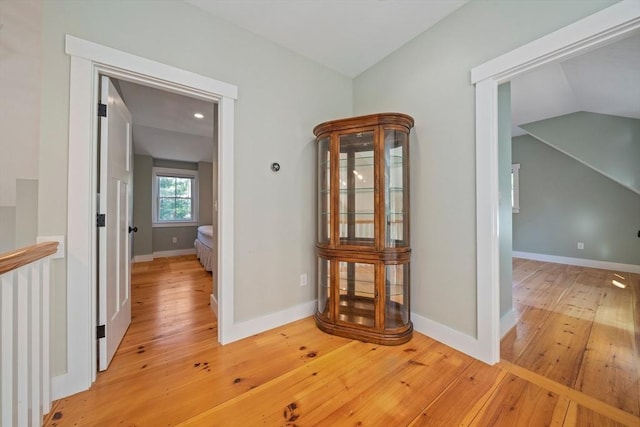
203, 245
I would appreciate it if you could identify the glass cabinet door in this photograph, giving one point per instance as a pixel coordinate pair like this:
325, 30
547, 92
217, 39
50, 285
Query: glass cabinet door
356, 189
357, 293
396, 310
324, 287
396, 175
324, 195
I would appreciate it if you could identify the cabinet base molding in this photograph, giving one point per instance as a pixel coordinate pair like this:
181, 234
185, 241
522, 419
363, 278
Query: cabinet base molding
382, 338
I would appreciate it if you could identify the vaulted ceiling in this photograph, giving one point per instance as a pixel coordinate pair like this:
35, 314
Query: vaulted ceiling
350, 36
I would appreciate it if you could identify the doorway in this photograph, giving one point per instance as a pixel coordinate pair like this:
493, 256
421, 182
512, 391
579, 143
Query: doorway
611, 24
88, 60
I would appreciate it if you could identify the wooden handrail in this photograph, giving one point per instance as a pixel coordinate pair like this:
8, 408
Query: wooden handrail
12, 260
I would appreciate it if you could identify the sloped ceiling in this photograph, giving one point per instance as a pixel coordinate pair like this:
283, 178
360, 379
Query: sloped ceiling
605, 81
348, 36
164, 125
345, 35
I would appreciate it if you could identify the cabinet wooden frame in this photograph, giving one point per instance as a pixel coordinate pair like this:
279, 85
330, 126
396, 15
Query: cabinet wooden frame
343, 313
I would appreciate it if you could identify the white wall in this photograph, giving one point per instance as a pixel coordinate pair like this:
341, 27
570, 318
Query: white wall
428, 78
20, 75
282, 96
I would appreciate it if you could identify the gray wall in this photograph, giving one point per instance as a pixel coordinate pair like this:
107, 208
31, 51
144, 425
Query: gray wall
151, 239
20, 96
162, 238
428, 78
142, 204
205, 190
563, 202
504, 187
609, 144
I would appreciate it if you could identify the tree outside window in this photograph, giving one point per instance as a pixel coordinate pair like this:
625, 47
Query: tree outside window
175, 196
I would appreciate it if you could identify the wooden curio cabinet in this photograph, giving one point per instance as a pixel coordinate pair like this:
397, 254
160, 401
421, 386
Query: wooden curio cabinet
363, 246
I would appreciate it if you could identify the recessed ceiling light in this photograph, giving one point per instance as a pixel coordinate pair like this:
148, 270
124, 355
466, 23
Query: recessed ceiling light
198, 115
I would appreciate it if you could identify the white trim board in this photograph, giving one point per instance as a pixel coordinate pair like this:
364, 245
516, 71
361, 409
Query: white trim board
143, 258
606, 26
580, 262
507, 322
88, 60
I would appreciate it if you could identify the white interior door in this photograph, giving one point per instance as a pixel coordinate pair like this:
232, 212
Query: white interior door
114, 244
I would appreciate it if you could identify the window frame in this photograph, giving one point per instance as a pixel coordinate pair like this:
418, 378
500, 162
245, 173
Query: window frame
158, 172
515, 188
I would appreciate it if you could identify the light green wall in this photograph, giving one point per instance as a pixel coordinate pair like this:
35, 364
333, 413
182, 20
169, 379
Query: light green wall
142, 194
282, 96
429, 78
609, 144
563, 202
504, 188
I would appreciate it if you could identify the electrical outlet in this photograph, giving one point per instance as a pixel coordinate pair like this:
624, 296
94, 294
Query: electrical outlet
580, 245
174, 240
303, 279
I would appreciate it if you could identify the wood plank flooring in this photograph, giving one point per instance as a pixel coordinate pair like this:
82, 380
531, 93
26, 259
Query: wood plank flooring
578, 328
170, 371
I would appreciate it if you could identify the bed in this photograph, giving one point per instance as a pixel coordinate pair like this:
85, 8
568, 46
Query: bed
204, 245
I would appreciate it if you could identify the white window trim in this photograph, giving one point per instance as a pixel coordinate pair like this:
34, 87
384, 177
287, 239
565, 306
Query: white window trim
515, 187
179, 173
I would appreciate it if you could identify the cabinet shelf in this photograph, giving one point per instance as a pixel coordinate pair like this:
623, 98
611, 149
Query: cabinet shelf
363, 231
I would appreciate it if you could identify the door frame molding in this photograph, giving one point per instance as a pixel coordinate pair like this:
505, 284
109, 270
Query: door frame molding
606, 26
88, 60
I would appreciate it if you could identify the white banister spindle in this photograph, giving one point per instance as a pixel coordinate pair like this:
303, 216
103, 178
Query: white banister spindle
22, 356
24, 328
6, 353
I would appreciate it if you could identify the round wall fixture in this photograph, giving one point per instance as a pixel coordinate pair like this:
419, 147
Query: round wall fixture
275, 167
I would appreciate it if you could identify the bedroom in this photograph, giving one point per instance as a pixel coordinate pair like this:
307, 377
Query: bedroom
174, 174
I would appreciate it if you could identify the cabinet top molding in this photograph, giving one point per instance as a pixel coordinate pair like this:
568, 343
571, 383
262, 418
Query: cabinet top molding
398, 119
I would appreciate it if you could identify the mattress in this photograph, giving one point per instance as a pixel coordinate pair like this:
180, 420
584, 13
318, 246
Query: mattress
205, 235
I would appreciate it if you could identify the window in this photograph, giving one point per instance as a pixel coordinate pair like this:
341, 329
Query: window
175, 197
515, 188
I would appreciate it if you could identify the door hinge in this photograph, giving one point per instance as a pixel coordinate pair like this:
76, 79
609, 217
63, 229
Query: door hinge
100, 220
102, 110
100, 332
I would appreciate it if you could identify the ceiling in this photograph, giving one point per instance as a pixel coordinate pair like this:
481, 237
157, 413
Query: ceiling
606, 80
164, 126
348, 36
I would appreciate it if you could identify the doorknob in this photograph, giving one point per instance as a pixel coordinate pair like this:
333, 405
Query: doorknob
134, 229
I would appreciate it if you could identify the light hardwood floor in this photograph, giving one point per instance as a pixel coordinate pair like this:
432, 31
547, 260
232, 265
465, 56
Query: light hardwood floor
170, 371
579, 327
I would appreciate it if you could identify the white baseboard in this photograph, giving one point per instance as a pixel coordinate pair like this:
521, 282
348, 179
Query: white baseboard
507, 322
177, 252
439, 332
580, 262
143, 258
214, 304
247, 328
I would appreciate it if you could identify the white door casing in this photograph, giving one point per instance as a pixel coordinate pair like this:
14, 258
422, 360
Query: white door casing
88, 61
607, 26
114, 243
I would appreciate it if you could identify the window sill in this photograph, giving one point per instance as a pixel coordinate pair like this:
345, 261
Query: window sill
175, 224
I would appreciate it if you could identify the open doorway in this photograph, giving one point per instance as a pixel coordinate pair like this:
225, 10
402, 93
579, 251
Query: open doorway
88, 60
575, 267
174, 181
